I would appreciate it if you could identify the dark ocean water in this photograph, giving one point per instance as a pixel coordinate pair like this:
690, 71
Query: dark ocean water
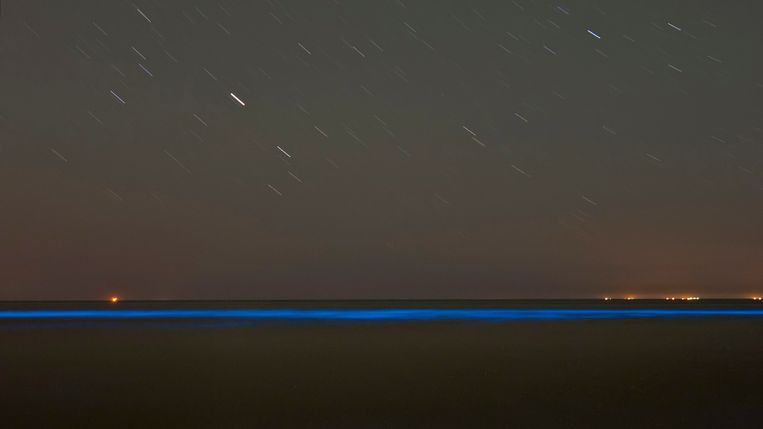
246, 370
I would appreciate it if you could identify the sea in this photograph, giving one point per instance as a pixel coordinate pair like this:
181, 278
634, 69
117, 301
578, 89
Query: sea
382, 364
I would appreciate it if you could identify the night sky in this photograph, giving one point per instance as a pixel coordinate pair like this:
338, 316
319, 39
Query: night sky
380, 148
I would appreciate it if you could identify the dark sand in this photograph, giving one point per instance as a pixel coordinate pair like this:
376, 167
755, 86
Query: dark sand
613, 374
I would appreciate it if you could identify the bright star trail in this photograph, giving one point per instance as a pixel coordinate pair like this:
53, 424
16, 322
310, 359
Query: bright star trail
237, 99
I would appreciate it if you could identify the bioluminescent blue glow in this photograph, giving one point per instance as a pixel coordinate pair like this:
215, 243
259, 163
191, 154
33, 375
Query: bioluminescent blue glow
428, 314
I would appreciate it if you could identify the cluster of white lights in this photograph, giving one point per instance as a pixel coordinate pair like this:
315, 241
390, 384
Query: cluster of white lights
677, 298
673, 298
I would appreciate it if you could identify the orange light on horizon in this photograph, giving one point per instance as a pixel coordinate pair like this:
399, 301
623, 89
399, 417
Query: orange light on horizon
114, 300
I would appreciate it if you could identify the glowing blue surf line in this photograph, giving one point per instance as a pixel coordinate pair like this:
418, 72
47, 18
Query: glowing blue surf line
495, 315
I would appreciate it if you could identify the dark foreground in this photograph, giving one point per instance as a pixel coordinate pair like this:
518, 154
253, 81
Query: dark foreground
595, 373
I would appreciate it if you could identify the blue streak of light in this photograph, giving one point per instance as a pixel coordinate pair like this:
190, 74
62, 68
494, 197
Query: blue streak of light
592, 33
378, 314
